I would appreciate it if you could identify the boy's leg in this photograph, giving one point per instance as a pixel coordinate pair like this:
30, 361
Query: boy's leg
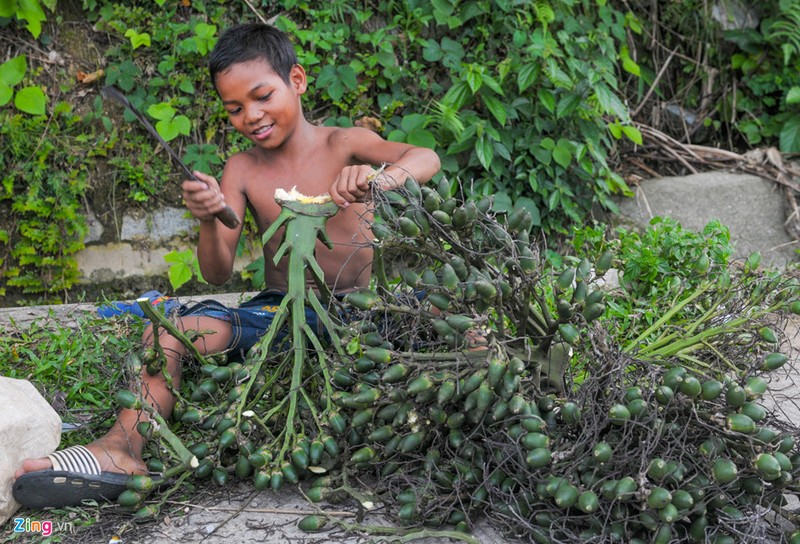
120, 450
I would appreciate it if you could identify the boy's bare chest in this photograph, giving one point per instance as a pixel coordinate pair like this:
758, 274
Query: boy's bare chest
260, 191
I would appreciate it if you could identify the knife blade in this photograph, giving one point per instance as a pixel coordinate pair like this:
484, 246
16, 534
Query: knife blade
227, 216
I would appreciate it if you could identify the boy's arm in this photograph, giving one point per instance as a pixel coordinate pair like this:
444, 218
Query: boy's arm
216, 248
367, 149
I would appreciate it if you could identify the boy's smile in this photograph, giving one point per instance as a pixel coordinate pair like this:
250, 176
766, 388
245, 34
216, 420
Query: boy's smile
260, 104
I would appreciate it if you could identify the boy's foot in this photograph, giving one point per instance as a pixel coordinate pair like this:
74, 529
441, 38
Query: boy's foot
112, 456
67, 477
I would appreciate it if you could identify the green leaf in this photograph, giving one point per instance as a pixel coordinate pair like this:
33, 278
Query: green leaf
421, 138
496, 107
202, 157
12, 71
256, 268
167, 129
6, 93
628, 64
414, 121
138, 40
547, 99
502, 202
326, 76
609, 102
793, 96
123, 75
161, 111
567, 105
562, 154
348, 77
206, 37
492, 83
633, 134
179, 274
32, 12
484, 150
182, 124
453, 53
790, 135
456, 96
31, 100
432, 52
336, 90
543, 155
557, 76
186, 86
527, 75
553, 200
176, 256
474, 79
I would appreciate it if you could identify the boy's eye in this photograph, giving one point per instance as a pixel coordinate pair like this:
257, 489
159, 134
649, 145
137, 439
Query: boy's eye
234, 111
265, 97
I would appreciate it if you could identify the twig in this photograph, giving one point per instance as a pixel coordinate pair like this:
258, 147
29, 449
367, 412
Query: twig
254, 10
643, 166
721, 154
288, 511
655, 83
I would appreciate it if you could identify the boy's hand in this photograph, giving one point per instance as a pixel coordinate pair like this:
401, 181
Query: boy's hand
352, 184
203, 197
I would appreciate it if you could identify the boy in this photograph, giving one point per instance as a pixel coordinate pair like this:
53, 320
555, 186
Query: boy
255, 73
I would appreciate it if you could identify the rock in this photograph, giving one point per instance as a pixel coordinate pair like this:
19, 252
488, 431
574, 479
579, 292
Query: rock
29, 427
735, 15
159, 226
751, 207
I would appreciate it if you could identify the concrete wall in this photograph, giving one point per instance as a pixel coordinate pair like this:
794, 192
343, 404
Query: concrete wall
143, 241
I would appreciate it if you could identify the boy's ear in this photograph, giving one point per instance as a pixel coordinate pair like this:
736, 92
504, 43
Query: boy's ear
297, 77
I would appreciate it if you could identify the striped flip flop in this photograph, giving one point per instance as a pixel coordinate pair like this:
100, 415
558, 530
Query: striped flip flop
75, 476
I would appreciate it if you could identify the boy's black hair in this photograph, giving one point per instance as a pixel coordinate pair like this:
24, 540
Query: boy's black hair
253, 41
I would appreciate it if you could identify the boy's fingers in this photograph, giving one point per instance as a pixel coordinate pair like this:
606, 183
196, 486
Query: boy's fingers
191, 186
351, 185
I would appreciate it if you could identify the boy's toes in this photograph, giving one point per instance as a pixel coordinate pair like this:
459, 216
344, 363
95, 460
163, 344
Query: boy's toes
32, 465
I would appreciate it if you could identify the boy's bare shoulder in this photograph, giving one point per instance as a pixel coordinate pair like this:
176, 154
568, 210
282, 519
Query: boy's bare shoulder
245, 162
242, 168
340, 136
244, 159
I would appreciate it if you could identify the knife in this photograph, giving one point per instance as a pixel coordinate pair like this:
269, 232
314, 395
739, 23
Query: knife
227, 216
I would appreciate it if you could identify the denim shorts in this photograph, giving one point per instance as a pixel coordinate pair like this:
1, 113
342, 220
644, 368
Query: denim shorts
250, 321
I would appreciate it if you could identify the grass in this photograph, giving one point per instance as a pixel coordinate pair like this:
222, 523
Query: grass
76, 367
77, 364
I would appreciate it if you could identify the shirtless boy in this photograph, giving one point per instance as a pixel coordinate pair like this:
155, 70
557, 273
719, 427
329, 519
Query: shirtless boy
255, 72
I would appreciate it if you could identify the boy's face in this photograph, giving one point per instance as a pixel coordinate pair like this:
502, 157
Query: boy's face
260, 104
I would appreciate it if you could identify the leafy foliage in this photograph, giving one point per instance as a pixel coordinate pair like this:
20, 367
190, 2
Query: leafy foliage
77, 365
29, 11
735, 69
42, 202
527, 101
29, 99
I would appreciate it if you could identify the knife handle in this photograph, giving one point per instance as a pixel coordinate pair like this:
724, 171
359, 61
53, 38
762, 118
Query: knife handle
228, 218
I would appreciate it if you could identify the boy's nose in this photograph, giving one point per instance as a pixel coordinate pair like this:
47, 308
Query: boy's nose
254, 114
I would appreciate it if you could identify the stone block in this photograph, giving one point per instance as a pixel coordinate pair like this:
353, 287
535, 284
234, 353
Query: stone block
751, 207
29, 427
